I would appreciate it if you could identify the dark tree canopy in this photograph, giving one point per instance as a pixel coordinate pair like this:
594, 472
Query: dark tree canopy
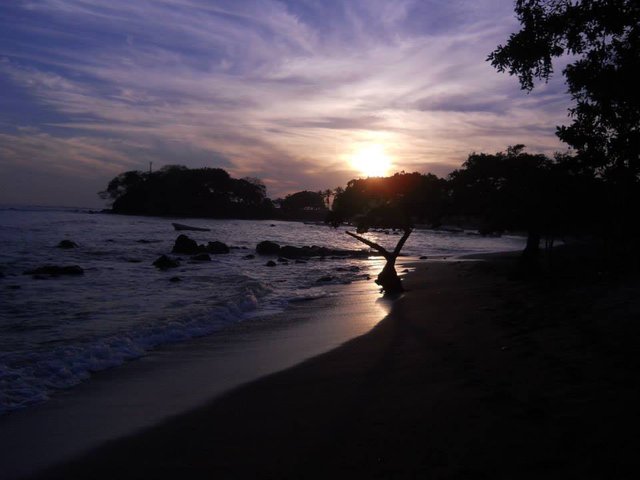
304, 200
518, 191
601, 41
177, 190
507, 190
388, 202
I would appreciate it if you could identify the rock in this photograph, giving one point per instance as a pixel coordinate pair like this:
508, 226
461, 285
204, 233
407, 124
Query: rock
423, 257
56, 270
300, 261
293, 252
201, 257
164, 262
134, 260
270, 263
326, 278
67, 244
175, 279
268, 248
185, 245
249, 257
272, 225
142, 240
217, 248
282, 260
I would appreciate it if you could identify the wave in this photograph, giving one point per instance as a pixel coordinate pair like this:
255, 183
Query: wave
30, 378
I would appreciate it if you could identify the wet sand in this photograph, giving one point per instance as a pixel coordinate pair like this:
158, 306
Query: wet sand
178, 378
471, 376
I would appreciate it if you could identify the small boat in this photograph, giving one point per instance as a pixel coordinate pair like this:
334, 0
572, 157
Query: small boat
180, 226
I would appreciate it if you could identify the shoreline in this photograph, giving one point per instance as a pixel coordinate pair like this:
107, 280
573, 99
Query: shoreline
178, 378
470, 376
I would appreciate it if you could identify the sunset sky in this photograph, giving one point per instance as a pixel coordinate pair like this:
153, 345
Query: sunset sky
297, 93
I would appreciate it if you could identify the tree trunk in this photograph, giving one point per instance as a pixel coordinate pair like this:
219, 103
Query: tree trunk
533, 244
529, 262
388, 278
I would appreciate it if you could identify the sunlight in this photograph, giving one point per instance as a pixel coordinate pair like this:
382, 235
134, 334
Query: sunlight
371, 161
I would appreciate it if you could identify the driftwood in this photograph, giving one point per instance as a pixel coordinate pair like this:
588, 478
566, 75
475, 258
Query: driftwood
388, 278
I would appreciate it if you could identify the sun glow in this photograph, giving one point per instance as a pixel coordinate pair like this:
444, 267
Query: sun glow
371, 161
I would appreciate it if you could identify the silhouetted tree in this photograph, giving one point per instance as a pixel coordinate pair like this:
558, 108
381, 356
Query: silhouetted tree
391, 202
177, 190
514, 190
304, 200
506, 190
602, 40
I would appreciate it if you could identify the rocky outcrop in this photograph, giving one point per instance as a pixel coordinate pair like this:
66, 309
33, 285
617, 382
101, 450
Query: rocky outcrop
186, 245
164, 262
296, 253
217, 248
267, 248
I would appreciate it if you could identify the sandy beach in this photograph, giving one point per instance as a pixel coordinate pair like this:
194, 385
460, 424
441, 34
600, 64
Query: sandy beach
471, 375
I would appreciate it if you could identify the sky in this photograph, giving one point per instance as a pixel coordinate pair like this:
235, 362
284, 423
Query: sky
295, 93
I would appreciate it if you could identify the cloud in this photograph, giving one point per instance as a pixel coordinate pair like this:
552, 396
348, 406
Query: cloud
286, 91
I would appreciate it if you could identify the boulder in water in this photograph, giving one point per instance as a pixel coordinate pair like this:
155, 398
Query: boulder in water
267, 248
185, 245
67, 244
270, 263
217, 248
164, 262
293, 252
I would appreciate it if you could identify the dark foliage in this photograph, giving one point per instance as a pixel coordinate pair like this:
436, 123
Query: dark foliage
389, 202
602, 39
179, 191
304, 200
304, 205
514, 190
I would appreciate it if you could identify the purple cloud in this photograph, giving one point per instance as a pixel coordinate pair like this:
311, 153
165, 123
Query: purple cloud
286, 91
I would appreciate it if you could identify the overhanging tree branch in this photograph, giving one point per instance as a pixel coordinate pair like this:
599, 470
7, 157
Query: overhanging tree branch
385, 253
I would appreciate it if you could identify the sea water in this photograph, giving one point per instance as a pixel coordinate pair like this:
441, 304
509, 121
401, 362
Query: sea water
55, 332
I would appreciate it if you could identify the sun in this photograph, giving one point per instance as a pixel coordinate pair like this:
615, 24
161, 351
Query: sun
371, 161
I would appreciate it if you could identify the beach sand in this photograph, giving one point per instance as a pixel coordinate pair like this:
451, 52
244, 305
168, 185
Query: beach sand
471, 376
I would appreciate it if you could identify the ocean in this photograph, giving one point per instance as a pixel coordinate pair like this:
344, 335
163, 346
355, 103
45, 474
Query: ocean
56, 332
89, 358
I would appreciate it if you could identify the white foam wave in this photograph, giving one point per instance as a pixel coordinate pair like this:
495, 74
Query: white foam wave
31, 378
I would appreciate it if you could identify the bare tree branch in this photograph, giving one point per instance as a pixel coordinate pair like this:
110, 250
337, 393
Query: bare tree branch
373, 245
402, 241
